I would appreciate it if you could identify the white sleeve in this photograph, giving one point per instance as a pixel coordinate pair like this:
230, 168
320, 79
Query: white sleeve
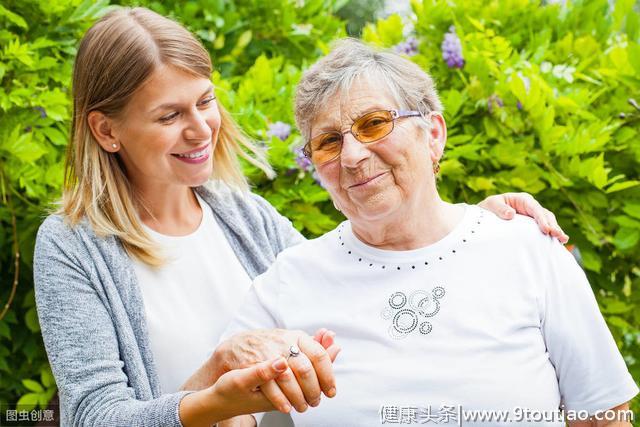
259, 309
591, 372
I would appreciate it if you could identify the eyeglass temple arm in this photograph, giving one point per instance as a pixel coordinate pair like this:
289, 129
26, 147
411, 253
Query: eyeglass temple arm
406, 113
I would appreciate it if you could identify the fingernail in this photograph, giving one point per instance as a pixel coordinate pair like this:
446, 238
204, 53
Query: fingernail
280, 365
286, 408
315, 402
331, 392
302, 408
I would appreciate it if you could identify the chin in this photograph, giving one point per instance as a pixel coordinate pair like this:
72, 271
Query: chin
375, 211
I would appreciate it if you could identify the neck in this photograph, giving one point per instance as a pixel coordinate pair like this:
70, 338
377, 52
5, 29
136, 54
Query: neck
171, 210
425, 221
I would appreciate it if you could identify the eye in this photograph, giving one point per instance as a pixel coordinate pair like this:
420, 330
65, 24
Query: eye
369, 122
326, 141
169, 117
207, 100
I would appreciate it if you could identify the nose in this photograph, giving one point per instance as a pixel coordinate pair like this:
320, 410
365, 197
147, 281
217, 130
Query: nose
353, 151
198, 128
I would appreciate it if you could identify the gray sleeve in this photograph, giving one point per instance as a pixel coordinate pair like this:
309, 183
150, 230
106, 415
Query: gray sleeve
286, 232
81, 342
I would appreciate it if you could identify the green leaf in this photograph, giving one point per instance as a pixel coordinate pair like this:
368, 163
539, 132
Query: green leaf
626, 238
31, 320
28, 401
47, 377
55, 136
625, 221
32, 386
591, 260
632, 209
13, 17
619, 186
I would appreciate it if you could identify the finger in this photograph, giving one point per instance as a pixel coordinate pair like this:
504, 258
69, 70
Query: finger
307, 379
333, 352
288, 383
328, 339
319, 334
277, 398
321, 363
525, 204
555, 229
262, 372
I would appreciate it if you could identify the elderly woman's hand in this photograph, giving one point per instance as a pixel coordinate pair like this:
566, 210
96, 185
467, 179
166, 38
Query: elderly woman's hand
508, 204
309, 373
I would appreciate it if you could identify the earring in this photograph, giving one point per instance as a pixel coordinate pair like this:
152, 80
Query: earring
114, 145
436, 168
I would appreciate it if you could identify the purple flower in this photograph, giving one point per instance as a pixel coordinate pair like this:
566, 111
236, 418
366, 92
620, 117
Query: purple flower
494, 100
279, 130
304, 163
316, 178
519, 105
408, 47
42, 111
452, 49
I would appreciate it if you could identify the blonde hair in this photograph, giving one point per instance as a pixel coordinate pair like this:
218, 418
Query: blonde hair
349, 59
115, 58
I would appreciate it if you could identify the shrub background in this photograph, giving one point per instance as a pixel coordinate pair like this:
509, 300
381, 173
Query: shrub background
545, 103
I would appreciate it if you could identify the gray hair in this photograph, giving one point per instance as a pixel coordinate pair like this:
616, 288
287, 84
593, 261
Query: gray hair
411, 87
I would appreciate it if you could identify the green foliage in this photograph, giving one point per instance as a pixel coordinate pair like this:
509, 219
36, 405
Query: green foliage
236, 33
572, 69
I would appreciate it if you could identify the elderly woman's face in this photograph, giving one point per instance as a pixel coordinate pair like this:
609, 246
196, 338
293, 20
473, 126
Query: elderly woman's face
376, 180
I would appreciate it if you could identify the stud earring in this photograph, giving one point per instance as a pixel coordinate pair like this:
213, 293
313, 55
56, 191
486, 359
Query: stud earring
436, 168
114, 145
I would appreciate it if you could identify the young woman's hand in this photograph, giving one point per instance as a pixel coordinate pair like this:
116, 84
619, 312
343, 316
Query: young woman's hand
508, 204
235, 393
309, 375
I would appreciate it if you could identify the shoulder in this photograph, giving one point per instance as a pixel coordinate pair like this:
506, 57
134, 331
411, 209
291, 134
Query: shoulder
58, 240
56, 231
227, 200
521, 239
309, 253
521, 229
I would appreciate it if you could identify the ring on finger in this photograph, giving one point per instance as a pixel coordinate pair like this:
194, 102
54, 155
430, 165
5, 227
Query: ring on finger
294, 351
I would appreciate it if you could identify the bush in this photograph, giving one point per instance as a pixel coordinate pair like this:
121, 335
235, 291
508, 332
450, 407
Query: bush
541, 105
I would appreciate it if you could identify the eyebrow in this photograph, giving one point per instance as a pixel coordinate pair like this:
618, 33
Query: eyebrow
172, 105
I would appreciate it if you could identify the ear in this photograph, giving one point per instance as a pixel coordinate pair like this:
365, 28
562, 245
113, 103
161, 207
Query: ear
438, 136
102, 129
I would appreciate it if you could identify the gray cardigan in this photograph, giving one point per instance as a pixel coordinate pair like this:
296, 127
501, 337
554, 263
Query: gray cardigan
92, 315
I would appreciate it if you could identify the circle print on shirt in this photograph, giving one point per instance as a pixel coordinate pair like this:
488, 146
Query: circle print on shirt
409, 314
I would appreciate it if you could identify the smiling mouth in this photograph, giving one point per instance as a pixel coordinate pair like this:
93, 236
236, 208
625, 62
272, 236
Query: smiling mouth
367, 180
194, 154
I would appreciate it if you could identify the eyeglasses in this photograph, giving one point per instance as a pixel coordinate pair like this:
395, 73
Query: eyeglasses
369, 128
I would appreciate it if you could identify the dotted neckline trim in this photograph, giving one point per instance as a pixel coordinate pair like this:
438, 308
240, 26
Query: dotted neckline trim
415, 265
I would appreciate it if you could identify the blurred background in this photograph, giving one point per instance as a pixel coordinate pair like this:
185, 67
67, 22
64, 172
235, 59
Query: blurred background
540, 96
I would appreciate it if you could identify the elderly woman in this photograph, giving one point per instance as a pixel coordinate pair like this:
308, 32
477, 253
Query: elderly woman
435, 304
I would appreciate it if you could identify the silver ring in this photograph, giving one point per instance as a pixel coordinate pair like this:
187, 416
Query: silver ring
294, 351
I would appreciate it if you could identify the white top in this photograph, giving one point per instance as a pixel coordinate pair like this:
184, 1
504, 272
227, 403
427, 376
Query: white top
190, 300
494, 316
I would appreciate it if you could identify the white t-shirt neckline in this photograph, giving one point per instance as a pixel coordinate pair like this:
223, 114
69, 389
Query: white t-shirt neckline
447, 246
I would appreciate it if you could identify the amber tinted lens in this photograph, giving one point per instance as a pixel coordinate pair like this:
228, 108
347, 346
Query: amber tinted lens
325, 147
373, 126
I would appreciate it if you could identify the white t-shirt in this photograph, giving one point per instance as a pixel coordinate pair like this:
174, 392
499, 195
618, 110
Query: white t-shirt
494, 316
190, 300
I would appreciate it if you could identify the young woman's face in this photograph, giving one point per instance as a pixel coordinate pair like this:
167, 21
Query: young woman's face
168, 131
